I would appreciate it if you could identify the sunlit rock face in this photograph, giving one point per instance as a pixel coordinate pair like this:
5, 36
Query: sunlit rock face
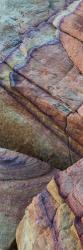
54, 218
70, 25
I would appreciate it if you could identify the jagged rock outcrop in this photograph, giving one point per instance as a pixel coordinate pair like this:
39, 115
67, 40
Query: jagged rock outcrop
21, 178
54, 219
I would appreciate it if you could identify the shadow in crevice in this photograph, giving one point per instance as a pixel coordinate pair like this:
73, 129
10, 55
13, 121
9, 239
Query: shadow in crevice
13, 246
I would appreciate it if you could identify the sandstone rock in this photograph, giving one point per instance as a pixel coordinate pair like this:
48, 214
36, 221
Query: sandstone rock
21, 177
70, 24
53, 220
74, 49
48, 101
39, 106
72, 8
41, 91
41, 111
75, 122
22, 130
57, 95
70, 20
74, 145
16, 166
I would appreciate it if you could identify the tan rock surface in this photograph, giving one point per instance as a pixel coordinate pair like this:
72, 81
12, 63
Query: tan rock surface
74, 49
54, 218
70, 30
75, 122
70, 24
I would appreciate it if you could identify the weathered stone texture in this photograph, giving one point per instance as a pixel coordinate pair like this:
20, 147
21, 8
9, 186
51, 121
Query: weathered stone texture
19, 16
41, 115
54, 218
21, 178
70, 24
41, 107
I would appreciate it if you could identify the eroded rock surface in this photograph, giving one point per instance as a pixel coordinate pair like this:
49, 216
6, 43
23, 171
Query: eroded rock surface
41, 114
21, 178
41, 108
54, 219
19, 16
70, 24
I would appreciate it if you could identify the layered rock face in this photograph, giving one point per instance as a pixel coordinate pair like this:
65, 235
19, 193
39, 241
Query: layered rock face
54, 219
69, 26
21, 178
48, 110
20, 101
71, 32
41, 115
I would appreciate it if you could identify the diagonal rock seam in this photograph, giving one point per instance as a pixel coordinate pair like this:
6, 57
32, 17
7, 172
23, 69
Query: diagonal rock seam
57, 97
42, 89
30, 110
37, 117
32, 82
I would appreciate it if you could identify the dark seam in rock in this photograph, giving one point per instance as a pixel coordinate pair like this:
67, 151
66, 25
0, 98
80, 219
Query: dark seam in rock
65, 32
30, 111
51, 225
27, 32
41, 88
